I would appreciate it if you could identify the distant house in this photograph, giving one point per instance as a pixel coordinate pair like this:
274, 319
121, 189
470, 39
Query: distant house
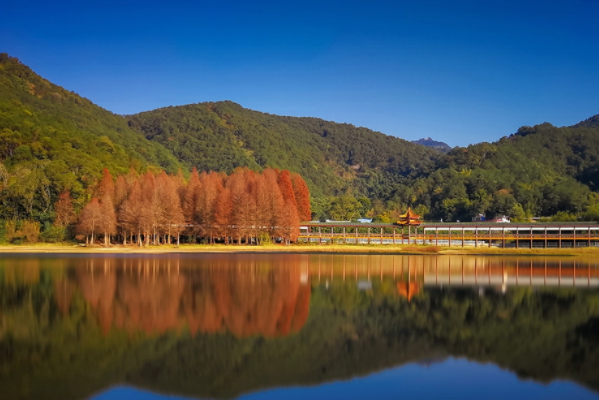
479, 217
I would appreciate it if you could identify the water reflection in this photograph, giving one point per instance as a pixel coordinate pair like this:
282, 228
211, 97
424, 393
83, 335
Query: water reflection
156, 295
221, 325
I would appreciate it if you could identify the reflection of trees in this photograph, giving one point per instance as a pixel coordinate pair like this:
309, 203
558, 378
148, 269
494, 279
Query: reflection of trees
51, 335
246, 302
243, 299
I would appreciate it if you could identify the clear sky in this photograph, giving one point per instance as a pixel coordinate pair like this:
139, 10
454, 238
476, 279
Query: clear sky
458, 71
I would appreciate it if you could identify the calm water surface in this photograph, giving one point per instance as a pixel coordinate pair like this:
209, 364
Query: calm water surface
257, 326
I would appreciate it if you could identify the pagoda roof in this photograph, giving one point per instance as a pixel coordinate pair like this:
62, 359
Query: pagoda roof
409, 215
409, 218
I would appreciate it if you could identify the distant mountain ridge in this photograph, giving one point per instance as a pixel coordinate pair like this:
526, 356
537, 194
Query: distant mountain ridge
428, 142
333, 158
588, 123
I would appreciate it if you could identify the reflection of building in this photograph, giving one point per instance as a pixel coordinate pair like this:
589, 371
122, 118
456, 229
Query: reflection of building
408, 289
458, 270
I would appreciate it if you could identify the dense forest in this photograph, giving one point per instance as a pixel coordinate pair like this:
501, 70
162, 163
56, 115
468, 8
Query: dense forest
540, 171
335, 159
53, 141
244, 207
215, 328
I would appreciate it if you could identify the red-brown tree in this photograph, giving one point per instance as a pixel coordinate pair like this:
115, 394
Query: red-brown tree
191, 201
211, 185
89, 220
275, 202
302, 197
223, 215
171, 216
64, 210
106, 186
130, 214
290, 217
243, 207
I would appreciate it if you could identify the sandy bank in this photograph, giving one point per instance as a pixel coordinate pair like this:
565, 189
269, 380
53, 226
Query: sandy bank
365, 249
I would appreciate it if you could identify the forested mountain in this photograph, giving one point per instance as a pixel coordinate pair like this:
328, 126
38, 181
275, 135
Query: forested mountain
52, 140
334, 159
540, 170
428, 142
589, 123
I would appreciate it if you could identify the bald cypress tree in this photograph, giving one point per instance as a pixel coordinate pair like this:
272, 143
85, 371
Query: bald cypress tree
90, 220
223, 214
64, 210
191, 201
302, 197
105, 193
130, 213
290, 216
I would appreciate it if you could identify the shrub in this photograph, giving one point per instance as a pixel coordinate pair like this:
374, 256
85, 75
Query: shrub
53, 234
30, 231
18, 232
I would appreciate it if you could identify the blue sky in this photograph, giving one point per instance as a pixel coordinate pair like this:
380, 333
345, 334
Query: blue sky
457, 71
449, 379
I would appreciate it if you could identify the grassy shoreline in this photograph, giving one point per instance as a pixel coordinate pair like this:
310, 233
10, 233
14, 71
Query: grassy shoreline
68, 248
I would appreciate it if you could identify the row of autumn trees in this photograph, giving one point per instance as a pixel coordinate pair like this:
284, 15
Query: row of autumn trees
244, 207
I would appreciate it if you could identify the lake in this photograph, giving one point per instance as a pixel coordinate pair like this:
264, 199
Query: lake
295, 326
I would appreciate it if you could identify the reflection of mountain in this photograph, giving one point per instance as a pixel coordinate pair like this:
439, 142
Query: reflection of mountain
153, 297
132, 321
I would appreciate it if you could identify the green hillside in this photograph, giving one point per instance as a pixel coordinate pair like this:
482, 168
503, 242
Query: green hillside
334, 159
53, 140
538, 171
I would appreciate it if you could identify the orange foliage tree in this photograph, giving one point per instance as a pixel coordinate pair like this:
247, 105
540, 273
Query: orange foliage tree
245, 207
64, 210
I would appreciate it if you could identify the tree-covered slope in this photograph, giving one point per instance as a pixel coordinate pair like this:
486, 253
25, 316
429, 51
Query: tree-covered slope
589, 122
428, 142
53, 140
333, 158
539, 170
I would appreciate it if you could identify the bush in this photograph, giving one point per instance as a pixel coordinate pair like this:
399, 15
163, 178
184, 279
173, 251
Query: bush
30, 231
18, 232
53, 234
264, 239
